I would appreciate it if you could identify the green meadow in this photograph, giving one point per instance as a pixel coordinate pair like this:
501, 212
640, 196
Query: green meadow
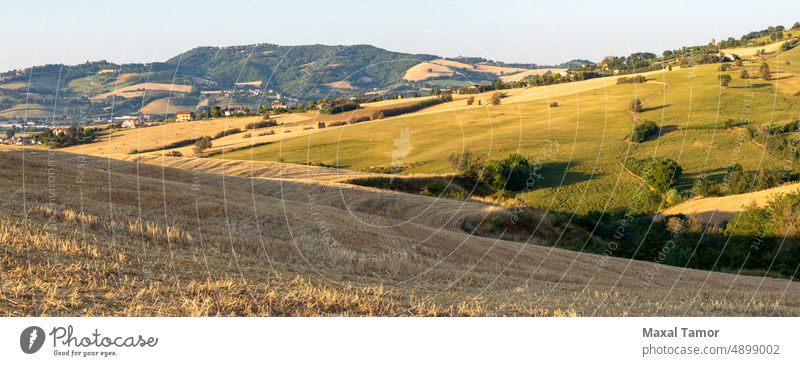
579, 145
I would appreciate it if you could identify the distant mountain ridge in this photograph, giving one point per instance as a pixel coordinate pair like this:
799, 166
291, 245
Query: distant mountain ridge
251, 74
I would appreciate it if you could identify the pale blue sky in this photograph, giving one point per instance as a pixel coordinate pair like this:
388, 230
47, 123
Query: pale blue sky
543, 32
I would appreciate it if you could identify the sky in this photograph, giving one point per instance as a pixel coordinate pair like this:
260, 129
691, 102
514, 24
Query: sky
35, 32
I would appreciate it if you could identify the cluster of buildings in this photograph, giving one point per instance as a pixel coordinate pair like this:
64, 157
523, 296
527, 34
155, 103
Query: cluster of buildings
24, 140
18, 140
129, 121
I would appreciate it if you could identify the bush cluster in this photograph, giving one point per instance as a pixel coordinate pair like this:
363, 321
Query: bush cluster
644, 131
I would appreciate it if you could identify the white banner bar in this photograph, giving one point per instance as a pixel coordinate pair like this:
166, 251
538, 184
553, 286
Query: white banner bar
398, 341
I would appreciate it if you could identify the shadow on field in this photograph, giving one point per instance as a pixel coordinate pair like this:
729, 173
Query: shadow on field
556, 174
687, 180
752, 86
650, 109
782, 77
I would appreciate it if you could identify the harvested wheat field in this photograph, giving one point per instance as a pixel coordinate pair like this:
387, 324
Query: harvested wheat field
426, 70
341, 84
750, 52
256, 84
519, 76
109, 237
120, 143
164, 106
480, 67
138, 90
724, 208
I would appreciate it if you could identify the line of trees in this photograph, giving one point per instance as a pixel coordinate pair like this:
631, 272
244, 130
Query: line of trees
396, 111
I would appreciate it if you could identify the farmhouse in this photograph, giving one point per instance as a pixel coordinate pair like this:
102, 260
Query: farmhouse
183, 116
278, 105
232, 110
66, 131
19, 140
725, 57
130, 121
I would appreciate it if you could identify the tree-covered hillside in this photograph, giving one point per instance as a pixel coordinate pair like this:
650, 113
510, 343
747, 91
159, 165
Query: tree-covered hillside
301, 71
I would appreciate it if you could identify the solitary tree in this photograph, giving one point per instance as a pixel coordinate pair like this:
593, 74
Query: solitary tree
765, 73
216, 111
496, 98
744, 74
202, 144
11, 131
636, 105
662, 174
511, 173
724, 80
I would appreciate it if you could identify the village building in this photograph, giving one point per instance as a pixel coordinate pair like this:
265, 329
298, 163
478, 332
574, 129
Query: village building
20, 140
232, 110
277, 104
130, 121
728, 57
184, 116
66, 131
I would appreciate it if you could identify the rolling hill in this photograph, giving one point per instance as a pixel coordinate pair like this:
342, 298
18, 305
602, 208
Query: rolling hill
370, 212
196, 242
303, 72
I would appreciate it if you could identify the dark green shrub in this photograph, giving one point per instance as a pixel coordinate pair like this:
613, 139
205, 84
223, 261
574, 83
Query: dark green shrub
511, 173
662, 174
644, 130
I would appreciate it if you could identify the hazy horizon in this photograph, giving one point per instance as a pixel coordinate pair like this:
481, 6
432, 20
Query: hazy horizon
514, 32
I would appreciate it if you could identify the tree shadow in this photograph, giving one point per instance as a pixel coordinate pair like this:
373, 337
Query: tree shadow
557, 174
714, 175
667, 129
752, 86
542, 175
782, 77
650, 109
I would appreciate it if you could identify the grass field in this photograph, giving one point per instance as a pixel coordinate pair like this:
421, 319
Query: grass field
102, 82
579, 144
108, 237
